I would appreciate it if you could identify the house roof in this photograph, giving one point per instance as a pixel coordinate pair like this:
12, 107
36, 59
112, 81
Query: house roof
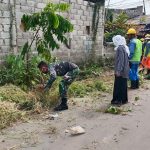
130, 12
146, 28
143, 19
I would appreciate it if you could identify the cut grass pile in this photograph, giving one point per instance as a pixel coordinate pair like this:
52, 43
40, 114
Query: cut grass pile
12, 99
14, 102
9, 114
14, 94
81, 88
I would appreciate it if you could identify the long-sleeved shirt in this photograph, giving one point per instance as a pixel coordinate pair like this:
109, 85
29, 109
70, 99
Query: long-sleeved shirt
132, 46
121, 62
59, 69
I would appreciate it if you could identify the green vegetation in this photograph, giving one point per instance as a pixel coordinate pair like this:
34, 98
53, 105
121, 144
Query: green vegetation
14, 72
117, 26
96, 16
19, 76
137, 98
35, 101
53, 27
113, 110
88, 71
13, 94
81, 88
118, 110
109, 35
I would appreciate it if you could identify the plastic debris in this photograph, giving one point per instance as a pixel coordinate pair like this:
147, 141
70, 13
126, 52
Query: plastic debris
51, 116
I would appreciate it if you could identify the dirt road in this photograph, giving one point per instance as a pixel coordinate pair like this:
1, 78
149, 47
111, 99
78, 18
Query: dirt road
129, 131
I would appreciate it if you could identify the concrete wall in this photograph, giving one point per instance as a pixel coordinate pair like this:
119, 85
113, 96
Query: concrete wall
80, 14
131, 12
109, 50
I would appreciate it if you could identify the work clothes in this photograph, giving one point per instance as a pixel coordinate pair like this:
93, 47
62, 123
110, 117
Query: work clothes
68, 71
135, 47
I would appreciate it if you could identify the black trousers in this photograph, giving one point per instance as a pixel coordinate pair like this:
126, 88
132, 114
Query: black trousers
120, 94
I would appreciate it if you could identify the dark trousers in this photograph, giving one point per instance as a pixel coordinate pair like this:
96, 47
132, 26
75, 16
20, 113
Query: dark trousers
120, 90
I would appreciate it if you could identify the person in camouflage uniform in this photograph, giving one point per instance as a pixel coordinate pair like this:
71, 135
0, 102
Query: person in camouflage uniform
68, 71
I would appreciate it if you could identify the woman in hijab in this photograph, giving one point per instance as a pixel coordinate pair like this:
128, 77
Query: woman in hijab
120, 95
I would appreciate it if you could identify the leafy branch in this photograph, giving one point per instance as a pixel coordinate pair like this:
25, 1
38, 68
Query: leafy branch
53, 27
96, 17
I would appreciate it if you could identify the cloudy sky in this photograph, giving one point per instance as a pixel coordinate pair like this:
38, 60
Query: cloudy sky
120, 4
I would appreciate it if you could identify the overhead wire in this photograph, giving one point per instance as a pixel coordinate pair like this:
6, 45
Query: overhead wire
107, 8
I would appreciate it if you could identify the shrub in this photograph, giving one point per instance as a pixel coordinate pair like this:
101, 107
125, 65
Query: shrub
14, 71
109, 35
89, 71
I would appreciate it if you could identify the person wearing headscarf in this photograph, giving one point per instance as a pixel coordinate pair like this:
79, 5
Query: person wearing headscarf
120, 95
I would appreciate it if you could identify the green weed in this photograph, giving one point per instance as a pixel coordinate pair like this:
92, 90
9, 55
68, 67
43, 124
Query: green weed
113, 110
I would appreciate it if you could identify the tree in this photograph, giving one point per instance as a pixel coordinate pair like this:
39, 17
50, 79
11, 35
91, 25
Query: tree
53, 27
117, 26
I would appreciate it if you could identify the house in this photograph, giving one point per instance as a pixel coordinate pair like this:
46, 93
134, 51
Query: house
130, 12
142, 24
80, 15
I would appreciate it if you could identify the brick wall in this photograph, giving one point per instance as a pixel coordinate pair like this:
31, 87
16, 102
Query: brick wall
80, 14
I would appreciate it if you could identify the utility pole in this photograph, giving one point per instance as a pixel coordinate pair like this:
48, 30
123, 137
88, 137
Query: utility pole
144, 7
106, 12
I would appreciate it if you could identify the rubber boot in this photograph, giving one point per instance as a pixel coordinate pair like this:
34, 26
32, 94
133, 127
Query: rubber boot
64, 101
137, 84
133, 84
62, 106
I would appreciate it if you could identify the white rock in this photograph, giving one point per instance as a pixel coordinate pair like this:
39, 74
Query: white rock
77, 130
66, 131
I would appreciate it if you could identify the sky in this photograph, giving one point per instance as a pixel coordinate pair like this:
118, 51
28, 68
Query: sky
121, 4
